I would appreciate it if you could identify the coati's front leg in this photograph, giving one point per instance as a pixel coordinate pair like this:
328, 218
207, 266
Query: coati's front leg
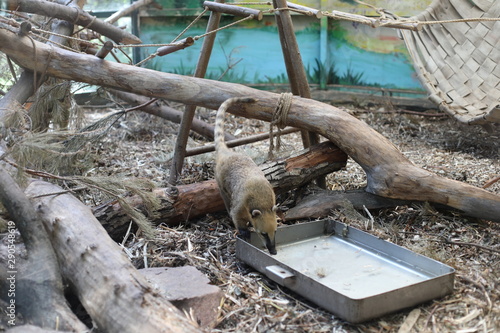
241, 219
240, 224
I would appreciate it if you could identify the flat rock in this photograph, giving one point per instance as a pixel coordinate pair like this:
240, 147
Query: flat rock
189, 290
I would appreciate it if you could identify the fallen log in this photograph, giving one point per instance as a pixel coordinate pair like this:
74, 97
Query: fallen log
38, 287
184, 202
115, 295
389, 172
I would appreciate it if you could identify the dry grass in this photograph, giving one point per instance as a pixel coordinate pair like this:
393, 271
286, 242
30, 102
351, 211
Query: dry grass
140, 146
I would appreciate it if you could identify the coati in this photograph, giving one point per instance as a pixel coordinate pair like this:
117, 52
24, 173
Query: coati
247, 194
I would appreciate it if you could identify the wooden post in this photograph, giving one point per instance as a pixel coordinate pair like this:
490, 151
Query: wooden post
187, 119
294, 66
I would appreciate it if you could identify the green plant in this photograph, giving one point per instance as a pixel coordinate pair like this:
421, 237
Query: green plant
352, 79
279, 79
322, 73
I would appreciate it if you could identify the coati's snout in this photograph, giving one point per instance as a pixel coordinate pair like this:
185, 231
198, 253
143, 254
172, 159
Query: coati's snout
265, 225
270, 243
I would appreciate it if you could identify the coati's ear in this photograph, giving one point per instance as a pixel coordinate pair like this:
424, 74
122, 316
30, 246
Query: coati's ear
256, 213
275, 208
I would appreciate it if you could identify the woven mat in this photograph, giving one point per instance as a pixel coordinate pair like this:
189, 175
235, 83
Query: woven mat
459, 63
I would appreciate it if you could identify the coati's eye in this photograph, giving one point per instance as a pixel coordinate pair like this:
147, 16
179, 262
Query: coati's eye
256, 213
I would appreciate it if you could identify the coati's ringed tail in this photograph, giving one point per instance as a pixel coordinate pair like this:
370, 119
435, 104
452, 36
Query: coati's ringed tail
220, 119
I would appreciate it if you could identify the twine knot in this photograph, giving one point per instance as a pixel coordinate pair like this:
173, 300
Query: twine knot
279, 120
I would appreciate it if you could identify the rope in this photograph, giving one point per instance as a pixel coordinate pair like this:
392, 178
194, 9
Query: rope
44, 72
60, 35
151, 56
191, 24
250, 17
86, 27
56, 43
35, 82
378, 10
383, 21
473, 19
279, 120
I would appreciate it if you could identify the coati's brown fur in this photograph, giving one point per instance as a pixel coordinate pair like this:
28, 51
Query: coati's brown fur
247, 194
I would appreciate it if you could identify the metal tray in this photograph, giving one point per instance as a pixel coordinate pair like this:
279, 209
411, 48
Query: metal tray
348, 272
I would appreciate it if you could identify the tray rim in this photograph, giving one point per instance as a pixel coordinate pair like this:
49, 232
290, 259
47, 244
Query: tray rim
354, 310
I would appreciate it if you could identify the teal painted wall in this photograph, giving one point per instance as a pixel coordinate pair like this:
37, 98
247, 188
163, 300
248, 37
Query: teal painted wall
353, 54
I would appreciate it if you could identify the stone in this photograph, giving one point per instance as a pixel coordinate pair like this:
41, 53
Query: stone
189, 290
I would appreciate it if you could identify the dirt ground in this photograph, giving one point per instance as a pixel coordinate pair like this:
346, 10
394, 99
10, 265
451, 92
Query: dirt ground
141, 145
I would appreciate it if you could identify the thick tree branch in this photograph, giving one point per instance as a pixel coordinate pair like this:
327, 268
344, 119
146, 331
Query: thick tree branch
181, 203
389, 173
